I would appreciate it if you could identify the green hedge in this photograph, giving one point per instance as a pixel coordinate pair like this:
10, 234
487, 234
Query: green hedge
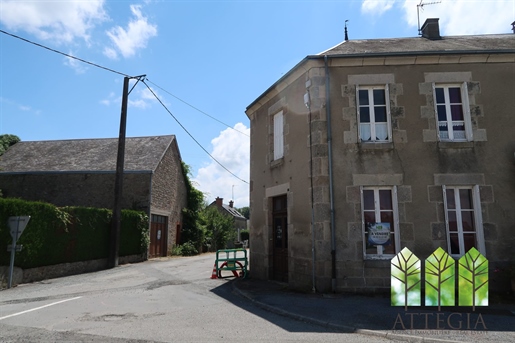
68, 234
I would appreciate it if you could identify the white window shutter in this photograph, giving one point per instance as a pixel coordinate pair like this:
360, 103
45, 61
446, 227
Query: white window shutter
363, 223
478, 216
358, 118
466, 111
388, 114
446, 216
278, 135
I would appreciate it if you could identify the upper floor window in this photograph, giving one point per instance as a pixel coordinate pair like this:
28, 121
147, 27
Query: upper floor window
374, 113
278, 135
380, 222
452, 112
463, 220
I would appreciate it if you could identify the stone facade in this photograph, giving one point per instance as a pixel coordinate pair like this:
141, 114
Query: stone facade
322, 148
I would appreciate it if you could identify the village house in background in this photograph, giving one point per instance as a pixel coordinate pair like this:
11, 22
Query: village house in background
375, 145
81, 172
240, 222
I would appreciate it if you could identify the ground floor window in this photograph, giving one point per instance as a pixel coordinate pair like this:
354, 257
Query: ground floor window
463, 220
380, 222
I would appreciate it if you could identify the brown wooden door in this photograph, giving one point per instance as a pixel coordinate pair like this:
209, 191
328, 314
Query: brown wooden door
280, 240
158, 226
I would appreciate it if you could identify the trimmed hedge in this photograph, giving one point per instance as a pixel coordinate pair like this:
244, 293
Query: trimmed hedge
68, 234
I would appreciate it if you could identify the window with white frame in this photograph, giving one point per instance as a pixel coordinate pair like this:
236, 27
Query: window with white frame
452, 112
463, 220
278, 135
380, 222
373, 113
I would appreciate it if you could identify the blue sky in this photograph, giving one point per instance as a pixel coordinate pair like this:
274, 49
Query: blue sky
201, 57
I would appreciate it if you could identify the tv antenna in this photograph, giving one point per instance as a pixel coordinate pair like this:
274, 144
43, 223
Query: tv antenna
421, 6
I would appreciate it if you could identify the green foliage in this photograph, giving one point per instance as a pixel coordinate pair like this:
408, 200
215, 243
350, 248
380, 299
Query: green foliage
244, 235
245, 211
192, 231
188, 249
405, 279
70, 234
473, 279
6, 141
440, 279
219, 228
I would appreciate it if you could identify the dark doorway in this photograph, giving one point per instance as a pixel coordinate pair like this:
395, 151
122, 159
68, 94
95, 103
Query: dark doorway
158, 230
280, 233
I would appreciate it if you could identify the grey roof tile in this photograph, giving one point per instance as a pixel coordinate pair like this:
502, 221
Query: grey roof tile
141, 154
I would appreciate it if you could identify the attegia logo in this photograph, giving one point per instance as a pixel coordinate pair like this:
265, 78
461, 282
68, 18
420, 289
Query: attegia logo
440, 279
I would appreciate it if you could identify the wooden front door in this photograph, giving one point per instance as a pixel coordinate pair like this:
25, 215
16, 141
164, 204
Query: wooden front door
158, 230
280, 240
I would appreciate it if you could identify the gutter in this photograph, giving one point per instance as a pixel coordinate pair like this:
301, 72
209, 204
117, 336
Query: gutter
330, 156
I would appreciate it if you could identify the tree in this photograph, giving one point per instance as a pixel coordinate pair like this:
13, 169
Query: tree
6, 141
219, 228
192, 230
245, 211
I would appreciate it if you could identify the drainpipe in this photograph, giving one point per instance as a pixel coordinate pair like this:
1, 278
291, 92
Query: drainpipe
331, 195
307, 102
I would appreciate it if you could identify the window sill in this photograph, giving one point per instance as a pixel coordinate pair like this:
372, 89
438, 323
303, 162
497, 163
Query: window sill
375, 145
455, 145
277, 163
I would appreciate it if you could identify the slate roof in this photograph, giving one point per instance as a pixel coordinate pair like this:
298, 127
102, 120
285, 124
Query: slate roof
418, 45
84, 155
232, 211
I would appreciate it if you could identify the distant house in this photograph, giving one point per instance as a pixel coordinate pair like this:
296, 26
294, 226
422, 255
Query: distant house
82, 172
414, 136
240, 222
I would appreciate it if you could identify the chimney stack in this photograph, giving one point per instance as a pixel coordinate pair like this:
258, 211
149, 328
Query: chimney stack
513, 27
231, 203
219, 202
431, 29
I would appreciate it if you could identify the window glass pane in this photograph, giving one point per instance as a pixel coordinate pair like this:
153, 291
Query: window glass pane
442, 112
457, 112
380, 114
469, 240
370, 217
466, 198
368, 199
365, 132
390, 247
363, 97
364, 115
387, 217
440, 98
467, 220
381, 132
450, 198
385, 199
455, 95
453, 223
379, 98
455, 245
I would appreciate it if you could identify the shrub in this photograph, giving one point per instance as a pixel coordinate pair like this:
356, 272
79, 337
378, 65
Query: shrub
244, 235
188, 249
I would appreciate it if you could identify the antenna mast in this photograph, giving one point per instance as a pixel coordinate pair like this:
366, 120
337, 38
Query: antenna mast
421, 6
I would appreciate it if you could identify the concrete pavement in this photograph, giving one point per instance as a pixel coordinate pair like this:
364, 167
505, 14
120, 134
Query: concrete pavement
373, 315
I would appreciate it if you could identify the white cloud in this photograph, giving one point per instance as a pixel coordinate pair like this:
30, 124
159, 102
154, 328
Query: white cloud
134, 37
59, 21
232, 149
377, 7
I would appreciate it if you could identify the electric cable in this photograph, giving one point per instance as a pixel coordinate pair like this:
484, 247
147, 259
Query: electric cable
64, 54
200, 145
195, 108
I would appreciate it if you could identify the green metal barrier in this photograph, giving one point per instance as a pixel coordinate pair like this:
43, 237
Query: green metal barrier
232, 259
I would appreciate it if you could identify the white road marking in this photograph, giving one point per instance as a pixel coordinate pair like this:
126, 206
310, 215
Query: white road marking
38, 308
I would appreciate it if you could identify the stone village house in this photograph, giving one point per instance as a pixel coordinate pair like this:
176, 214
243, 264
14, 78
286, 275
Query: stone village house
240, 222
415, 135
82, 173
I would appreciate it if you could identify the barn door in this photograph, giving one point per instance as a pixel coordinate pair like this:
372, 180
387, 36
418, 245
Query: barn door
280, 239
158, 230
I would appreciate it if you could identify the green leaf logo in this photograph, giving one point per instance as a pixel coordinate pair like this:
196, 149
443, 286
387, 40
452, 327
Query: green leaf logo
473, 279
440, 279
405, 279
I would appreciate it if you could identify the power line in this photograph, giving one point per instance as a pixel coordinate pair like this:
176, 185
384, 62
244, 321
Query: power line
195, 108
64, 54
200, 145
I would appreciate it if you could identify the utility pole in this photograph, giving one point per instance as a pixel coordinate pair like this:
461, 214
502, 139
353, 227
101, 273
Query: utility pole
114, 237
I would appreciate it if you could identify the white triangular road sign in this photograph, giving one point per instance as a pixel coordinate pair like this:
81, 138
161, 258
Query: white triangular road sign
17, 225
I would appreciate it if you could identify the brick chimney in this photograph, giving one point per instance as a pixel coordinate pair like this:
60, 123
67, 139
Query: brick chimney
431, 29
231, 203
219, 202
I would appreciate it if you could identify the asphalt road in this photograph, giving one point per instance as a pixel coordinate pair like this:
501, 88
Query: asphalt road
162, 300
